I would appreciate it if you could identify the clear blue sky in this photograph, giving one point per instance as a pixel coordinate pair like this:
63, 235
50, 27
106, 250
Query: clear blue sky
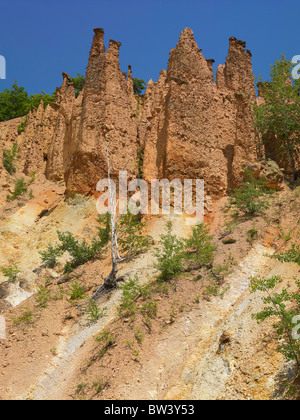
40, 39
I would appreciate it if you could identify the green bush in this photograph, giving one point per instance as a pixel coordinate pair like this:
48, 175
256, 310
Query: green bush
201, 247
252, 197
43, 297
15, 102
50, 255
77, 292
93, 312
104, 229
130, 239
22, 126
9, 157
20, 189
169, 258
81, 252
139, 86
79, 82
292, 255
130, 292
283, 306
11, 272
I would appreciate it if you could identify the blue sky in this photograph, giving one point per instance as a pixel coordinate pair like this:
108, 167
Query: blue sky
40, 39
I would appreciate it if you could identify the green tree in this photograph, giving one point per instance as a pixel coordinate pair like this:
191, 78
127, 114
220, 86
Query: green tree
130, 238
169, 258
15, 102
252, 196
139, 86
9, 157
36, 99
79, 82
279, 116
200, 246
284, 307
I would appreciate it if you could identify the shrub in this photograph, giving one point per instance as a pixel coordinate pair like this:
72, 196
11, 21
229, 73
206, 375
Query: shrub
252, 234
50, 255
276, 306
81, 253
93, 312
138, 86
43, 297
79, 82
130, 239
77, 292
9, 157
20, 189
11, 272
200, 246
130, 292
15, 102
26, 318
169, 258
292, 255
252, 196
22, 126
104, 229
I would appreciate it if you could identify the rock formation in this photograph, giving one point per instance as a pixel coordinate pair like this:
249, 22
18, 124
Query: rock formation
188, 125
197, 128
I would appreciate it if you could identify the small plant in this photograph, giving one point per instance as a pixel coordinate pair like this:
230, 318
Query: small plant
100, 385
200, 247
104, 229
211, 290
130, 239
24, 319
169, 258
20, 189
252, 235
277, 307
77, 292
11, 272
292, 255
220, 272
93, 312
135, 352
43, 297
130, 292
149, 310
139, 336
50, 255
138, 86
251, 197
81, 253
22, 126
197, 300
32, 177
107, 340
229, 241
9, 157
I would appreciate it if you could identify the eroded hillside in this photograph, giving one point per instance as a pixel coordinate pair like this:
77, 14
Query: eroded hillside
191, 336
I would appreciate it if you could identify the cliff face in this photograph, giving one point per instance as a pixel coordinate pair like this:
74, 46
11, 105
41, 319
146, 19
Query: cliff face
197, 128
188, 125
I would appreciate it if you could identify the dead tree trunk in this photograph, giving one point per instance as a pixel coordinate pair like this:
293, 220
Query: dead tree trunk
111, 281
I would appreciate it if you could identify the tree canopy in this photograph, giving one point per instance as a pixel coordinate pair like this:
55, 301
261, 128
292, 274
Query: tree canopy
279, 115
16, 102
